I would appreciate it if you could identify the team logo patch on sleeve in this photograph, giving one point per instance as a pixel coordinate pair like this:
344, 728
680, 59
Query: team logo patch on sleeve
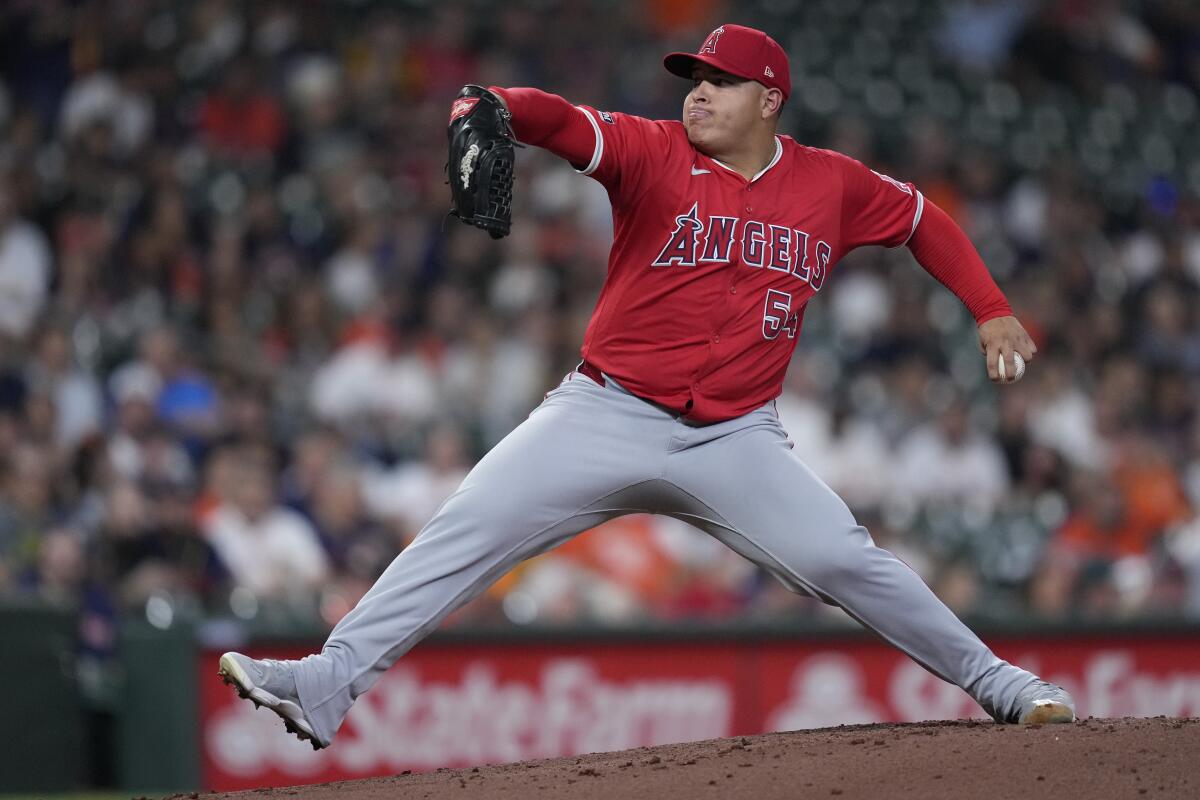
607, 117
904, 187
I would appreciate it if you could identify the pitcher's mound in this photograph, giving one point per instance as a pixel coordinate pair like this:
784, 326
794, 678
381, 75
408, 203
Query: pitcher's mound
1094, 758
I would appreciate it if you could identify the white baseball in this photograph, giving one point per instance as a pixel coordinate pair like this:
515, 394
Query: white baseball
1020, 362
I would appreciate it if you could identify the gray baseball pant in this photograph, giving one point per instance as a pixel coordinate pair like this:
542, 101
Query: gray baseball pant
589, 453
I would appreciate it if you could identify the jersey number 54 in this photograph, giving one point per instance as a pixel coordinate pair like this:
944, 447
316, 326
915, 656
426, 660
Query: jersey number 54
778, 316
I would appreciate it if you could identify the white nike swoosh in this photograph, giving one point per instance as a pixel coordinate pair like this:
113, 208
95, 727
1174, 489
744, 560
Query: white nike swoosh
700, 171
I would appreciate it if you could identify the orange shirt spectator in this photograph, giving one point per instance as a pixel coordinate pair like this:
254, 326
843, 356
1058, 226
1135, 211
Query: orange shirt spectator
239, 119
1123, 513
1154, 498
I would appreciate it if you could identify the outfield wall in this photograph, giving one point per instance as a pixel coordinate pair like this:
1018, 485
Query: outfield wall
453, 704
472, 697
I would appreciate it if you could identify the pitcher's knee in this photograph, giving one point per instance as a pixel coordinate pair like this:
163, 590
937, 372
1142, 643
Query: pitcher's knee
842, 559
497, 526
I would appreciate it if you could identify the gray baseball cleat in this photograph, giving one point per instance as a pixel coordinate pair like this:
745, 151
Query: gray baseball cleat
269, 683
1041, 703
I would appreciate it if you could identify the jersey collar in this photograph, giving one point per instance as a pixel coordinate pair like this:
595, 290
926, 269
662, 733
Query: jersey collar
761, 172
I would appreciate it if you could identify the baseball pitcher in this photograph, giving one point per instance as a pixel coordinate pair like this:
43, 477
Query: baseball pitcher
724, 230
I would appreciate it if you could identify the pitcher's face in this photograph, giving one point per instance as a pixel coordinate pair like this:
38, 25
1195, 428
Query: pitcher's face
722, 110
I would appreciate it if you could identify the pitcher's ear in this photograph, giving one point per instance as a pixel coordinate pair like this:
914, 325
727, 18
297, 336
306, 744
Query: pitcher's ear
772, 102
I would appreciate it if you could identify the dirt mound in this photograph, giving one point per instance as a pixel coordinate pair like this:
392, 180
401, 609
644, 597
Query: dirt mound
1094, 758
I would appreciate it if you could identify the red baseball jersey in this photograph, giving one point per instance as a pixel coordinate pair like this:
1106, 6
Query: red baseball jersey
709, 272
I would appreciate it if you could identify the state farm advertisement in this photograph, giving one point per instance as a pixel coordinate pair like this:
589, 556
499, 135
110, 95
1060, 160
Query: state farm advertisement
454, 705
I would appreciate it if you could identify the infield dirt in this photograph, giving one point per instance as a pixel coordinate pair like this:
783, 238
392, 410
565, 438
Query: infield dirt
1094, 758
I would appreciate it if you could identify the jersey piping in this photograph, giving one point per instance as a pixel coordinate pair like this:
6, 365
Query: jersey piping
598, 153
916, 216
761, 172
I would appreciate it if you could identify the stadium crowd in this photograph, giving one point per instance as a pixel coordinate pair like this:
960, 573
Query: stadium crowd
245, 356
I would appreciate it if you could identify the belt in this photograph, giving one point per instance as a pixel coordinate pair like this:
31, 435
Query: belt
592, 371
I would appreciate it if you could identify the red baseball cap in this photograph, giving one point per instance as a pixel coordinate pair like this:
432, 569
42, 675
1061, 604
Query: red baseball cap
741, 51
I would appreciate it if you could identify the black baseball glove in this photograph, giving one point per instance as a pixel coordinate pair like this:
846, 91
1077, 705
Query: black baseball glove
480, 169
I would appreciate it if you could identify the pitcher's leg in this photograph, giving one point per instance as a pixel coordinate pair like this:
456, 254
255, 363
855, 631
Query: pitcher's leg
544, 483
766, 504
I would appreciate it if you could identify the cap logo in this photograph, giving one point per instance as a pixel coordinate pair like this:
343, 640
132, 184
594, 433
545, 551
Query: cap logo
767, 71
710, 44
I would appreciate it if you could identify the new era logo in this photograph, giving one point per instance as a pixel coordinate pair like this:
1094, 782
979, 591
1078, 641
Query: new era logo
767, 71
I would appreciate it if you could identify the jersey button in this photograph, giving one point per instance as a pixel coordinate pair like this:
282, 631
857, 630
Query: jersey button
733, 290
717, 339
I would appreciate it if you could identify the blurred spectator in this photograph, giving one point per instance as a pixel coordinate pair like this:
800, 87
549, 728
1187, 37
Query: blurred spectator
61, 568
1061, 416
1100, 529
980, 33
1154, 498
410, 493
315, 454
186, 399
269, 549
112, 101
26, 506
356, 546
1113, 537
240, 120
134, 389
25, 264
72, 391
948, 462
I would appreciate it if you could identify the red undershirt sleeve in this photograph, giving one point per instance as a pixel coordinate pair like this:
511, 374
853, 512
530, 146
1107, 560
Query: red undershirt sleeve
547, 120
941, 247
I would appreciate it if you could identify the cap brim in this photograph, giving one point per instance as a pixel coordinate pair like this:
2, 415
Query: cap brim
681, 64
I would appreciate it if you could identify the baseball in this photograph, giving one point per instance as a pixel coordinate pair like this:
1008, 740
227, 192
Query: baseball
1020, 362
